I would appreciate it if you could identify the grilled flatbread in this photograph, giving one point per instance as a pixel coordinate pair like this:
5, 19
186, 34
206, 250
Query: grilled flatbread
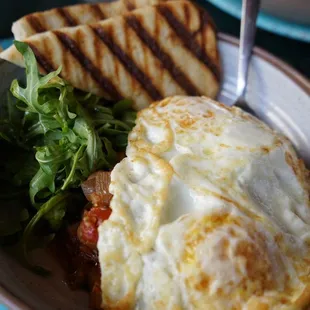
73, 15
147, 54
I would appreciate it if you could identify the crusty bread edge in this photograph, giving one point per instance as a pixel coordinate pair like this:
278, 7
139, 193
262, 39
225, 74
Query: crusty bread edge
12, 55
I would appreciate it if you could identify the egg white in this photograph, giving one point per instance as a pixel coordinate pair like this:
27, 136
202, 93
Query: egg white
210, 211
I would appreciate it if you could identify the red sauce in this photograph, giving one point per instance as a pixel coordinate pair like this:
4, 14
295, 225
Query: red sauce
88, 229
79, 262
75, 247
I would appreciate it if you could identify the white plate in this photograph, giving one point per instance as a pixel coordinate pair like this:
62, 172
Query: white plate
279, 95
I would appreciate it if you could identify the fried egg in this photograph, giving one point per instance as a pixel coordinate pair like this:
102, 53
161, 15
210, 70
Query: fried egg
210, 211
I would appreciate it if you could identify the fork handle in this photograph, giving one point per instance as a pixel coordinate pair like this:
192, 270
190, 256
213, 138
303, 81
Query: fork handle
250, 10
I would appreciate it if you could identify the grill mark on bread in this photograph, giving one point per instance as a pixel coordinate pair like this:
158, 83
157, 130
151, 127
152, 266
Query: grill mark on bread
35, 23
67, 17
116, 64
203, 22
129, 5
41, 59
188, 40
207, 18
128, 63
97, 11
166, 60
187, 14
156, 32
128, 47
69, 44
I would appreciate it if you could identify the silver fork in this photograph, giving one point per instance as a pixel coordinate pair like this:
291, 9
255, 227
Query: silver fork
250, 10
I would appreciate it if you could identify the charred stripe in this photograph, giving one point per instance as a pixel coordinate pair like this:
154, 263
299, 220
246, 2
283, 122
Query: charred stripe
68, 18
87, 64
35, 23
128, 63
129, 5
42, 60
180, 78
97, 11
188, 40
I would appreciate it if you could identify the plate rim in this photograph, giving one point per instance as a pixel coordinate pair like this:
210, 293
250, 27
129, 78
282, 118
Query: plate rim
18, 304
275, 61
8, 299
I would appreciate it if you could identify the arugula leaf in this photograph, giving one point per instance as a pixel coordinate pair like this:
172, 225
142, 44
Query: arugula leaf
111, 154
53, 210
41, 181
30, 94
26, 172
121, 106
11, 120
68, 134
70, 178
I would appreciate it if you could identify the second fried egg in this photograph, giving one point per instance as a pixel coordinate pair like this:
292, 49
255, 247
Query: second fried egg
210, 210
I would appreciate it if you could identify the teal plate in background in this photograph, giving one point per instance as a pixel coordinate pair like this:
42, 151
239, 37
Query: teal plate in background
5, 44
265, 21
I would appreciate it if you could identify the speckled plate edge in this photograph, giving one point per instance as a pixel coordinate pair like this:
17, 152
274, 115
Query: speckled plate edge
13, 303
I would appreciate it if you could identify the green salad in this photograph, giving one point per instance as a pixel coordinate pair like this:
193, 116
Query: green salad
58, 136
